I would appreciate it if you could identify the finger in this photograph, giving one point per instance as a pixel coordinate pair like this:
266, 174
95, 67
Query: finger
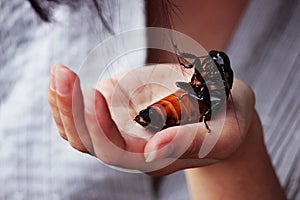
169, 142
239, 112
176, 142
187, 142
240, 109
68, 93
105, 86
107, 141
53, 106
242, 104
182, 164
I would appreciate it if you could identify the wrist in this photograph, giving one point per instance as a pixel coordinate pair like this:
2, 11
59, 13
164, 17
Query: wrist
246, 173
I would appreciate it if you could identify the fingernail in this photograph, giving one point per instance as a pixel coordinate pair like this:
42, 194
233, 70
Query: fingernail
62, 81
164, 152
151, 156
89, 100
52, 83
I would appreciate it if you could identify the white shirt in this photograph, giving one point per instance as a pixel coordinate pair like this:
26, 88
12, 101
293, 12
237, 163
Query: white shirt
35, 163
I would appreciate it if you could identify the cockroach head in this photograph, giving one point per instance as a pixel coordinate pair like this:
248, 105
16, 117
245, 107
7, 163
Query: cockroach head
222, 61
150, 119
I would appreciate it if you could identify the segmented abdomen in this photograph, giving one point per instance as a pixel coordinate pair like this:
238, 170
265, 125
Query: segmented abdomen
176, 109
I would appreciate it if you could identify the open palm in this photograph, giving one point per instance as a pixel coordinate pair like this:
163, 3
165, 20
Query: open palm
102, 123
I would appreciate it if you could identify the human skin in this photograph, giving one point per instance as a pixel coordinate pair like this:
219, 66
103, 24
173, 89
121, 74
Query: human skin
89, 127
238, 166
247, 173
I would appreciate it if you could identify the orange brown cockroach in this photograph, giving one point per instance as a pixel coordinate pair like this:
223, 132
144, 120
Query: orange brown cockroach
205, 91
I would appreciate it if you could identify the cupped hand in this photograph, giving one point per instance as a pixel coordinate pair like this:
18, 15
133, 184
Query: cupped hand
91, 125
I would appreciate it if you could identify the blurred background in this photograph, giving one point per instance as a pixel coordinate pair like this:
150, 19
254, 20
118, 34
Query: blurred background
35, 163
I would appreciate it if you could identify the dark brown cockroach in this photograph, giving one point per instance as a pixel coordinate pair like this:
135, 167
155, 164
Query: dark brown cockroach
205, 91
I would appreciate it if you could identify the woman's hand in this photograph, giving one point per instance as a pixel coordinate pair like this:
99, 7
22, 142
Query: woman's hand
88, 126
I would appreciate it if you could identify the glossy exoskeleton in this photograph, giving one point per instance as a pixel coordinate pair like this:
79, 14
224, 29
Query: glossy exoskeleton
212, 75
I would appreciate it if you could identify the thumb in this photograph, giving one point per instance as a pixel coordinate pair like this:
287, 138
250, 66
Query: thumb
176, 142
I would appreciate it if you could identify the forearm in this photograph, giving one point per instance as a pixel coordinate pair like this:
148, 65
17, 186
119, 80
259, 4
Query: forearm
247, 174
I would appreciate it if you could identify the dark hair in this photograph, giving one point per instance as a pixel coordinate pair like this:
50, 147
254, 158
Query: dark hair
44, 9
161, 18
